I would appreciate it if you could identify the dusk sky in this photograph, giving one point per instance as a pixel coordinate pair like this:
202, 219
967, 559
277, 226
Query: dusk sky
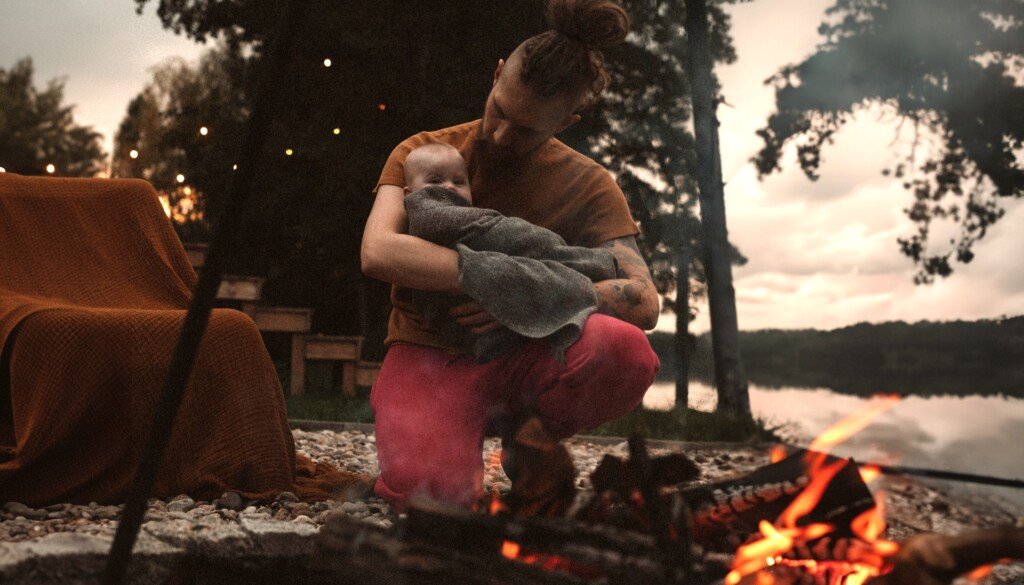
821, 254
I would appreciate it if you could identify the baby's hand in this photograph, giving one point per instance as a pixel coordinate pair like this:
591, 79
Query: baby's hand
474, 316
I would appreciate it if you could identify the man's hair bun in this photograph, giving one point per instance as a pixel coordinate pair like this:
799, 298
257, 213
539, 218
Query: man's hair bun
597, 24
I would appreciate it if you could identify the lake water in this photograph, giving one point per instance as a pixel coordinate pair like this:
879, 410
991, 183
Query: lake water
972, 434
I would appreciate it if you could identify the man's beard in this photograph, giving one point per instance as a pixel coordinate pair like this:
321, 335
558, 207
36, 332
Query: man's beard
494, 161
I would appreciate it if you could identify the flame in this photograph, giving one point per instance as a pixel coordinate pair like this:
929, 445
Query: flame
852, 424
869, 473
983, 571
775, 542
871, 523
777, 453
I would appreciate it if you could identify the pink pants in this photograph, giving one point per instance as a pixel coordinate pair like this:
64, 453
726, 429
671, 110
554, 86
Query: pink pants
432, 408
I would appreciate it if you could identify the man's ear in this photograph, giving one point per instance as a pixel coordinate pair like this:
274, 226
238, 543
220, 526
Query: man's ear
497, 71
406, 190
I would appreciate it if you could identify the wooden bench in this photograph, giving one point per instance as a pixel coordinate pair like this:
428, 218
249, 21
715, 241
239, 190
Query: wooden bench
289, 320
337, 348
196, 255
366, 373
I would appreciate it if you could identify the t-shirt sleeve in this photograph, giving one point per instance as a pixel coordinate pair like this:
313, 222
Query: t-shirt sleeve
606, 212
394, 168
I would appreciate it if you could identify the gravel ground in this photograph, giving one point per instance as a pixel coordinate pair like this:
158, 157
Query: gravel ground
911, 506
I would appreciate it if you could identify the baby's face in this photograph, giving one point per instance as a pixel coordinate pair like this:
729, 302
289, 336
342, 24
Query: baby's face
440, 169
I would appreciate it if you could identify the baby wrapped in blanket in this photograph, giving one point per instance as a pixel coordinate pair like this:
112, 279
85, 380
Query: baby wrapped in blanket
526, 276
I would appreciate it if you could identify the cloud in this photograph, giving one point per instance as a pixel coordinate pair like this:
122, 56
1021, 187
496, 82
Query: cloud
824, 253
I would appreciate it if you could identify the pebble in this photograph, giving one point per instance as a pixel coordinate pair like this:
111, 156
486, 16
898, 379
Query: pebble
181, 504
230, 501
355, 451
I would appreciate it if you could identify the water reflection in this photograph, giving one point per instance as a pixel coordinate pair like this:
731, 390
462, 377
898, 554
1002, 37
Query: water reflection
974, 434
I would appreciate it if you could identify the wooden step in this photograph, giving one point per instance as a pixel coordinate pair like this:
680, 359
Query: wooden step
366, 373
240, 288
337, 348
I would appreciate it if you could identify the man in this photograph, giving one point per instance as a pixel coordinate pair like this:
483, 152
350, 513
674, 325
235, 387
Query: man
432, 403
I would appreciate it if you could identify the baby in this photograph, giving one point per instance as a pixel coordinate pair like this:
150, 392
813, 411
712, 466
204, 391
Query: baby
526, 276
439, 165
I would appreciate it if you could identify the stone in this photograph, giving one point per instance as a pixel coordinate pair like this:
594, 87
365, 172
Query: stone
230, 501
181, 504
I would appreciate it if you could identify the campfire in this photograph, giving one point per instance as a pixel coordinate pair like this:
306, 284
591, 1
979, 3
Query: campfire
806, 517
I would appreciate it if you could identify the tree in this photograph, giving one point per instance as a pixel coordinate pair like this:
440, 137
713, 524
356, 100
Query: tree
395, 71
730, 377
947, 66
37, 129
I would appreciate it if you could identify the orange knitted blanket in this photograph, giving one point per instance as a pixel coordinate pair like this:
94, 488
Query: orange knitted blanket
94, 285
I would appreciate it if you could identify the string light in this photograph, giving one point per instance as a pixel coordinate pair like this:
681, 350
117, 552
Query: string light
337, 131
134, 153
327, 62
289, 151
180, 178
187, 190
3, 170
50, 168
204, 130
382, 106
234, 167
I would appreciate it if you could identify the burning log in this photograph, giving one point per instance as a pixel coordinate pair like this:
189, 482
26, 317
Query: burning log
726, 513
932, 559
559, 544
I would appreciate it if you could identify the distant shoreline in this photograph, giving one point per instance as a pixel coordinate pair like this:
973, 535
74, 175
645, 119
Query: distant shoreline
984, 357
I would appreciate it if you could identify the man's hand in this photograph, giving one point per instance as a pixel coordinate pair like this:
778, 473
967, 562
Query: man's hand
632, 297
474, 316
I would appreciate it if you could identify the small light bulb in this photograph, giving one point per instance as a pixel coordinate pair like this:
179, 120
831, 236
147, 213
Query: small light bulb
204, 130
187, 190
381, 106
180, 178
289, 151
50, 168
327, 62
234, 167
337, 131
3, 170
134, 153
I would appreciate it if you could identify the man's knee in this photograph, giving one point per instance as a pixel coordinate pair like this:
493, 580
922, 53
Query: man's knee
623, 350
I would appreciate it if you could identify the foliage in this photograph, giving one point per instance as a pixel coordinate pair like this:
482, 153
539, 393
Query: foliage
38, 129
396, 70
948, 67
922, 359
691, 425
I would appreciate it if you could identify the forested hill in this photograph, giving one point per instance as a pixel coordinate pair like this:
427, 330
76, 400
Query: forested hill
924, 358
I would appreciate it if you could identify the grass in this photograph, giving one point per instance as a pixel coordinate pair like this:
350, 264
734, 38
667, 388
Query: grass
694, 425
313, 407
321, 402
691, 425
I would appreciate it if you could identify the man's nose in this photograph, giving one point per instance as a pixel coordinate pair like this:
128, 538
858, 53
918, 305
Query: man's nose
502, 134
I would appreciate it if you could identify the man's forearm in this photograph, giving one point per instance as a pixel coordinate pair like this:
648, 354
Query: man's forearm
629, 300
413, 262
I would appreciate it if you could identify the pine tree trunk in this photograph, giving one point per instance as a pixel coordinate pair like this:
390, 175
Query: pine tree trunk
682, 340
730, 378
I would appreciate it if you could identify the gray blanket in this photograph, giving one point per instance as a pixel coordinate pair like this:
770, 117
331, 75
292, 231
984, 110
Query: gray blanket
524, 275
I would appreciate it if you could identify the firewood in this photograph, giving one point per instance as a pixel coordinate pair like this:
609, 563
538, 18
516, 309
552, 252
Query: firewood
934, 559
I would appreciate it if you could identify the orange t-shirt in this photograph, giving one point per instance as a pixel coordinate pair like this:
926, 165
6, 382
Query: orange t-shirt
555, 187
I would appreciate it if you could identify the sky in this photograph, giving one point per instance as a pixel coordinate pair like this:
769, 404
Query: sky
821, 254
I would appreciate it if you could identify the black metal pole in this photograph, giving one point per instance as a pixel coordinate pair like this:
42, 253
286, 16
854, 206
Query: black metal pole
198, 314
948, 475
